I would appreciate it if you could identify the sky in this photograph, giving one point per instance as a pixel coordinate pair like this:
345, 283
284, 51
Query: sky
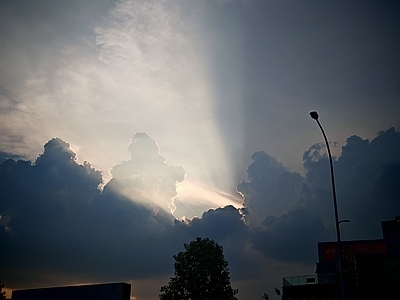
131, 127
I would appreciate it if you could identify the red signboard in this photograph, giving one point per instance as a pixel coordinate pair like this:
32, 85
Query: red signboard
330, 252
378, 248
362, 248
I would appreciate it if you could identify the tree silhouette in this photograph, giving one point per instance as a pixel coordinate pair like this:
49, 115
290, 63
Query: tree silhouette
201, 273
2, 293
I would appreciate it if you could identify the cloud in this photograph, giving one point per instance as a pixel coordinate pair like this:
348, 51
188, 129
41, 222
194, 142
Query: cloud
291, 237
298, 212
5, 155
55, 218
111, 69
226, 226
270, 187
43, 203
55, 222
154, 52
367, 180
217, 223
58, 227
194, 199
215, 82
146, 177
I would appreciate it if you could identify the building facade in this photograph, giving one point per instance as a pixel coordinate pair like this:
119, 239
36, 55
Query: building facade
371, 267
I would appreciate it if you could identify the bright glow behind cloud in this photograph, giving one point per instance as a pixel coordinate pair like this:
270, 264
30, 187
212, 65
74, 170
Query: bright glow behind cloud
194, 199
143, 71
163, 84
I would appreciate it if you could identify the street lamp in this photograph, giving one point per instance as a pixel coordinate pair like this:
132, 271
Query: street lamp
344, 221
315, 116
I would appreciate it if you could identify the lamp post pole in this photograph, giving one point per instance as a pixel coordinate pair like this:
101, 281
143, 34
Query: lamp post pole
315, 116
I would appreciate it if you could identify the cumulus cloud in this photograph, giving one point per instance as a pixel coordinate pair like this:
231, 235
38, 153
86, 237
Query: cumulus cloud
55, 218
5, 155
43, 203
226, 226
297, 212
217, 223
291, 237
367, 181
215, 81
146, 177
270, 187
58, 227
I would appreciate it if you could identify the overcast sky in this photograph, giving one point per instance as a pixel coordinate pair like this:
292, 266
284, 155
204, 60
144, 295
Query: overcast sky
132, 127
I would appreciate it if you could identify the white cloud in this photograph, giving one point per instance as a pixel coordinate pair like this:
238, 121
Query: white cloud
144, 72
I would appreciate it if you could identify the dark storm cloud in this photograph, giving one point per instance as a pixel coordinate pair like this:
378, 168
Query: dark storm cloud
291, 237
5, 155
217, 224
367, 181
272, 196
54, 219
298, 212
41, 204
56, 223
270, 188
225, 225
57, 226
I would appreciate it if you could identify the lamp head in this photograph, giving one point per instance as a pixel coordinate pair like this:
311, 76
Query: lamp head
314, 115
344, 221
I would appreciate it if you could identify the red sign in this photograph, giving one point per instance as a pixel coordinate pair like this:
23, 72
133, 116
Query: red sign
346, 249
362, 248
330, 252
378, 248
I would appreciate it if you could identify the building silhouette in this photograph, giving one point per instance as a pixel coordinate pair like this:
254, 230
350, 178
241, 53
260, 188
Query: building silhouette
106, 291
371, 268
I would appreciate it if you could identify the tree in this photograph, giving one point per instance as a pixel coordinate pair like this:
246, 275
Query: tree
2, 293
201, 273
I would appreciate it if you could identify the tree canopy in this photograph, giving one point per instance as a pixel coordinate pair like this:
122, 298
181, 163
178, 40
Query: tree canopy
2, 293
201, 273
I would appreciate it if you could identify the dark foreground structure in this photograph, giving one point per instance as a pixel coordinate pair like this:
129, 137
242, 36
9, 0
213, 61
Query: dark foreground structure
108, 291
371, 269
